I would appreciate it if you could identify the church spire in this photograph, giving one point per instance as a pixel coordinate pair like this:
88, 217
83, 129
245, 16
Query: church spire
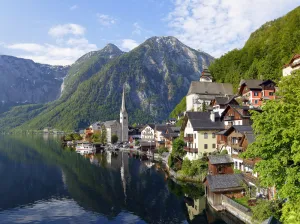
123, 108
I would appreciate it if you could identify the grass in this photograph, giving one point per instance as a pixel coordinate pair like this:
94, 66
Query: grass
242, 201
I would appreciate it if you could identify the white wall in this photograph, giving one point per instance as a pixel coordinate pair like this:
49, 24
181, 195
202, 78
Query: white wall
288, 70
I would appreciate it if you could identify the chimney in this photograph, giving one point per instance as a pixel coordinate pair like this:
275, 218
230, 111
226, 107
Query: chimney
212, 116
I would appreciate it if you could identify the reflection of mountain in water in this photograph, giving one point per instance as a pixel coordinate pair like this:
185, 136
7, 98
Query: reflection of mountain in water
42, 170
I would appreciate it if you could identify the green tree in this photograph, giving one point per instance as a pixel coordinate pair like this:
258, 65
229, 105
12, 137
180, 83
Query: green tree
277, 131
96, 137
177, 149
264, 209
76, 136
114, 139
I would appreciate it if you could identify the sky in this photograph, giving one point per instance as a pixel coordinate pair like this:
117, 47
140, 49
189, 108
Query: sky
58, 32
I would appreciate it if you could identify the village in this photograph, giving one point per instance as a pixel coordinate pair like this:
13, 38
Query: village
215, 128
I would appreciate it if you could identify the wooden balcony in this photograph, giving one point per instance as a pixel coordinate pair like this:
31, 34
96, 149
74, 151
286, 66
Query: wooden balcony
189, 139
188, 149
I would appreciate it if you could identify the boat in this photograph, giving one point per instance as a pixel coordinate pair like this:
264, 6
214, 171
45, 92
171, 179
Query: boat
85, 148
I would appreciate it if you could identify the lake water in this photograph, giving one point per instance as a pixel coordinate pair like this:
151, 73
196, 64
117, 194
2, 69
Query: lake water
43, 183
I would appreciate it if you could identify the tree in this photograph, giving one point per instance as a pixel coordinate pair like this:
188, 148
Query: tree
76, 136
264, 209
114, 139
204, 106
224, 152
96, 137
103, 138
277, 131
177, 149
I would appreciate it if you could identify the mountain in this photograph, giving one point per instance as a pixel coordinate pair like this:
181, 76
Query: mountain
24, 81
264, 54
88, 65
156, 74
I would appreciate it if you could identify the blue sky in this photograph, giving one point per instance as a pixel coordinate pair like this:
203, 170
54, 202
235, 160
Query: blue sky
59, 32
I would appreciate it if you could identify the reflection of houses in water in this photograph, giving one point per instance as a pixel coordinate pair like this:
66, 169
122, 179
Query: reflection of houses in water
194, 206
149, 164
125, 175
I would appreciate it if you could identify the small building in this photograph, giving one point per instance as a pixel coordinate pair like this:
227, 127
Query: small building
220, 164
254, 91
171, 134
148, 132
200, 130
293, 65
220, 103
237, 115
222, 181
113, 128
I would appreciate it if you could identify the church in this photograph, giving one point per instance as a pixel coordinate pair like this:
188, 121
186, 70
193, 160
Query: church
114, 127
203, 91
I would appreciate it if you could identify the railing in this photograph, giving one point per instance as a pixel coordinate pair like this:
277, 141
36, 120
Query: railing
189, 139
193, 150
228, 118
227, 200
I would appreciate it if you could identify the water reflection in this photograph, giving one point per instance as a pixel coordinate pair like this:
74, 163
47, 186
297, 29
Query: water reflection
42, 183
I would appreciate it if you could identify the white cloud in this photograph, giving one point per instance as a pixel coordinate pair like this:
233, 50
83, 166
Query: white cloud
73, 7
128, 44
106, 20
217, 26
64, 52
66, 29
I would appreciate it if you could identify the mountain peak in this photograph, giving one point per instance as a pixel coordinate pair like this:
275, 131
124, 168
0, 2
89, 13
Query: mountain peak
111, 48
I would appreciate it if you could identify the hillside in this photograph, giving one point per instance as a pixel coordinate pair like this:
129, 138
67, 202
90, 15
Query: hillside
157, 74
24, 81
264, 54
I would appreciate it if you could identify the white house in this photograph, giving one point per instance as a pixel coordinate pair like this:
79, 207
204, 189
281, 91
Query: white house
293, 65
148, 132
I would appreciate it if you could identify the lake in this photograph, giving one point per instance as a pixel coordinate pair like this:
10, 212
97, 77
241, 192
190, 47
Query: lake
43, 183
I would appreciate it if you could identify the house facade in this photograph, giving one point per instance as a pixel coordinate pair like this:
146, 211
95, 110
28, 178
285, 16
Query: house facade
148, 133
219, 104
254, 91
294, 64
200, 130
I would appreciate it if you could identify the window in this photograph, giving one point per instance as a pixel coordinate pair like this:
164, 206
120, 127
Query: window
255, 93
213, 146
271, 93
205, 146
205, 135
213, 135
195, 136
255, 101
124, 118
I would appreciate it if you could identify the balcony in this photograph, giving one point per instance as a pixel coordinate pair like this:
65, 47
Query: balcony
228, 118
189, 139
236, 146
188, 149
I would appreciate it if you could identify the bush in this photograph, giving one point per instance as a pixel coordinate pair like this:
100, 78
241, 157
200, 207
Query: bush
224, 152
162, 149
264, 209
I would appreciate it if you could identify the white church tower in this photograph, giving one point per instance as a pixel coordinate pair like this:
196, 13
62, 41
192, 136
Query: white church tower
124, 120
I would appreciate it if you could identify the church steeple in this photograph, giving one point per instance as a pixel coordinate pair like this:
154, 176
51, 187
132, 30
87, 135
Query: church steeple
123, 108
124, 119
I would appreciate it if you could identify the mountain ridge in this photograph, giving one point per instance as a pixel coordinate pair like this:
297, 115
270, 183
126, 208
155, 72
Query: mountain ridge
156, 74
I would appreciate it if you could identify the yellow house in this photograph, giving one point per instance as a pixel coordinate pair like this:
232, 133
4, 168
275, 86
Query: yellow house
200, 130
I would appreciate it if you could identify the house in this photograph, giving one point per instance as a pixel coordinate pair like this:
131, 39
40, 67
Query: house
135, 132
160, 130
221, 181
200, 130
293, 65
219, 103
148, 132
96, 126
254, 91
170, 135
237, 115
202, 92
220, 164
171, 121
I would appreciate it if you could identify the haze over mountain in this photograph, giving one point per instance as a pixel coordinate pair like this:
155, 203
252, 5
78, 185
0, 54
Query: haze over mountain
156, 74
